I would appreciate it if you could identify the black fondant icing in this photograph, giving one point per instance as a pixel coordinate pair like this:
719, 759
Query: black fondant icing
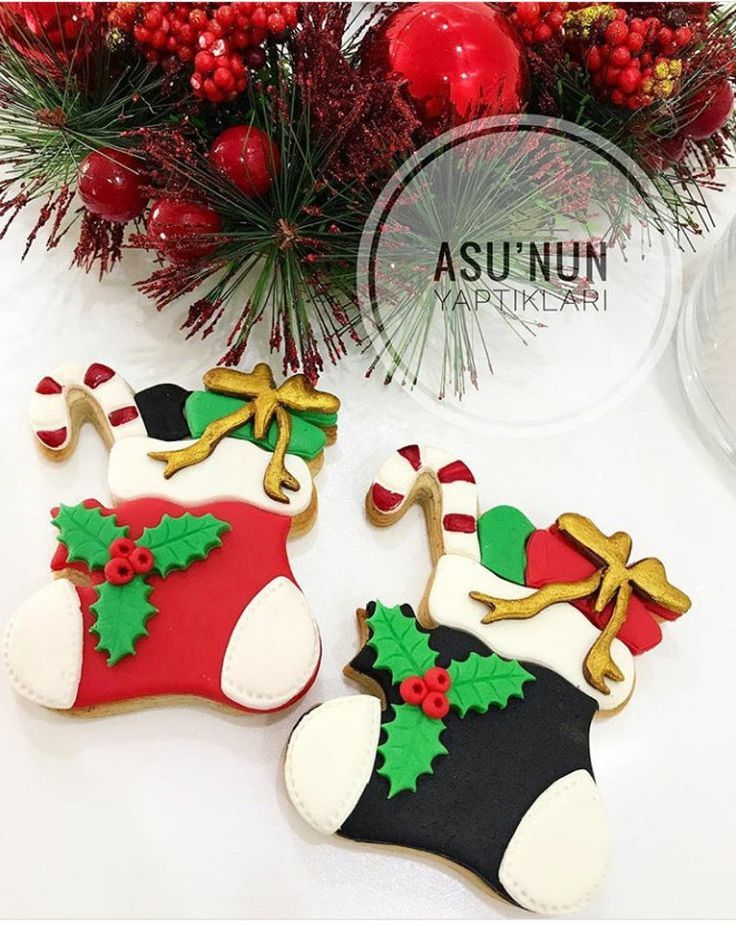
497, 764
162, 410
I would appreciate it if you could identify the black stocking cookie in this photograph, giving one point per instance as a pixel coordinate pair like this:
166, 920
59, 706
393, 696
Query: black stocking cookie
473, 741
182, 586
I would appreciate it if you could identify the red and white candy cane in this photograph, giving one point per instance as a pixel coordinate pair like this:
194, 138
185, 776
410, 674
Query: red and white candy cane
457, 519
109, 393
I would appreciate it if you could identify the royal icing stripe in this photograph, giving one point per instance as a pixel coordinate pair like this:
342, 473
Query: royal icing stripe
49, 409
458, 491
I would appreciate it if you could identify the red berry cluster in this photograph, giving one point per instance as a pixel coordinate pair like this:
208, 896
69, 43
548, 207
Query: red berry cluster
428, 692
126, 561
221, 41
635, 61
539, 22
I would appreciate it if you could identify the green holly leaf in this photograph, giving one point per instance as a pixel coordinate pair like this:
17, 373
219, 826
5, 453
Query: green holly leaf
177, 542
413, 742
482, 681
87, 533
122, 612
399, 644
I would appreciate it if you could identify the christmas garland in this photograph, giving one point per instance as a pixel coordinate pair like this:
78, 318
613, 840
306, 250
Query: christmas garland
244, 144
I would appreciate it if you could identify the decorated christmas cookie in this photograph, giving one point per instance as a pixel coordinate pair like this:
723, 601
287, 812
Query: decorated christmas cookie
182, 586
471, 742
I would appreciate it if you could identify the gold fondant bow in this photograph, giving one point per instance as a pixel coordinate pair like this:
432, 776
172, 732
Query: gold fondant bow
614, 578
264, 404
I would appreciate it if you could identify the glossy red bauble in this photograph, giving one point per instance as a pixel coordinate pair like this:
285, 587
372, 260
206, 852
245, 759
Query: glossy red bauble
109, 185
175, 227
708, 110
248, 157
461, 61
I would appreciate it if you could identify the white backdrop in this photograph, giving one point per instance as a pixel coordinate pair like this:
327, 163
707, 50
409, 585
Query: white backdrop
182, 812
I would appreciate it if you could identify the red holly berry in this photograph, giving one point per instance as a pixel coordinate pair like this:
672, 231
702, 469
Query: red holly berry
620, 56
437, 679
141, 559
231, 32
119, 571
121, 547
436, 705
109, 184
413, 690
616, 32
172, 224
276, 23
629, 80
248, 157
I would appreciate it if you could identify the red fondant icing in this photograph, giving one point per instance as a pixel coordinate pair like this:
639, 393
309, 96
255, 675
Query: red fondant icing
96, 374
413, 690
198, 608
459, 523
122, 415
455, 472
438, 679
52, 438
551, 558
48, 386
383, 499
436, 705
412, 455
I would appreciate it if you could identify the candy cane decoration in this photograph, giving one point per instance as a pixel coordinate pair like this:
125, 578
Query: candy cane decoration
62, 402
427, 475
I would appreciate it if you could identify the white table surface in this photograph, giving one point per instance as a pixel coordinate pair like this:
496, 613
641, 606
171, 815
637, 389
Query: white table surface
182, 812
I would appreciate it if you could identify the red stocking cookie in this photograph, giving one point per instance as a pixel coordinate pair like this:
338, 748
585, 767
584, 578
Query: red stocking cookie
183, 586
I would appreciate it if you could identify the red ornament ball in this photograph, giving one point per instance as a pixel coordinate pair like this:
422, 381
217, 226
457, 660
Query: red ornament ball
708, 110
461, 61
437, 679
248, 157
436, 705
413, 690
175, 228
109, 184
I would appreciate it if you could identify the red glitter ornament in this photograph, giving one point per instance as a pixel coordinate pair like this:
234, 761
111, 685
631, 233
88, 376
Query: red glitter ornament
461, 61
708, 110
109, 185
248, 157
176, 229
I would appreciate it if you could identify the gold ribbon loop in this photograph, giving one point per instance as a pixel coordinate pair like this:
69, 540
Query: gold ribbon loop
614, 579
264, 404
